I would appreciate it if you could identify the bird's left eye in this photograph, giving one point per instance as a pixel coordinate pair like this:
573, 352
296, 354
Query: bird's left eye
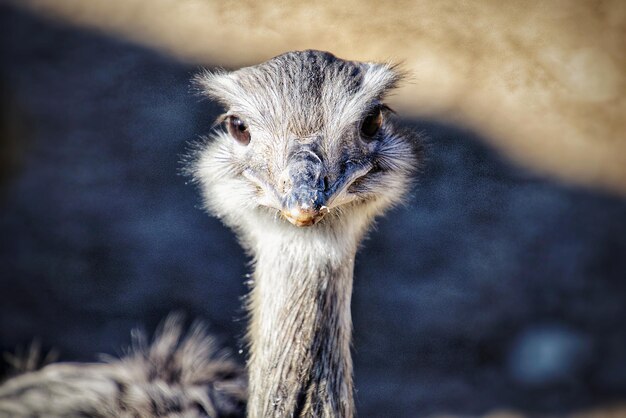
371, 123
238, 129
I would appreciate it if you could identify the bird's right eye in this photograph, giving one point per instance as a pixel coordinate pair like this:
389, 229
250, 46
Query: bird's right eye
372, 123
238, 130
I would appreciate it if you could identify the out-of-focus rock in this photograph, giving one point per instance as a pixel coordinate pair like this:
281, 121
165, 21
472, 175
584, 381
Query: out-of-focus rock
548, 354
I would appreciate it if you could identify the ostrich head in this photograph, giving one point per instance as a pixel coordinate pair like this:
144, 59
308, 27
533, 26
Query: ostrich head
307, 140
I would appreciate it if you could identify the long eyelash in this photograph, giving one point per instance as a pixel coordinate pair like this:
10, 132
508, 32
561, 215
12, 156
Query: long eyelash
382, 106
219, 120
387, 109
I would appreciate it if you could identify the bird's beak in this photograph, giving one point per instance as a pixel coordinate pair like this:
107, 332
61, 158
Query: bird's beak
307, 196
304, 204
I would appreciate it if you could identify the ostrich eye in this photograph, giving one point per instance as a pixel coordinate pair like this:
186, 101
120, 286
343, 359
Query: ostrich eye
371, 123
238, 130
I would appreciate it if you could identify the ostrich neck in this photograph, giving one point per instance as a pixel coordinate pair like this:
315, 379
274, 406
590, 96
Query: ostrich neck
300, 363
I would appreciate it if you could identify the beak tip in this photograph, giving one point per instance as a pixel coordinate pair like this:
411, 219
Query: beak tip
304, 217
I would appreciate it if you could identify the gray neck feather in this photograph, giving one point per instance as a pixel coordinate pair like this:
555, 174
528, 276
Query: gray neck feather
301, 326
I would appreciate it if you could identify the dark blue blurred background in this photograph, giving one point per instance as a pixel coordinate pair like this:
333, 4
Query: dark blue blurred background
493, 288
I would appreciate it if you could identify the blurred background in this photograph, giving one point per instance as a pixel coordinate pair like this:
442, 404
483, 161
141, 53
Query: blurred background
499, 289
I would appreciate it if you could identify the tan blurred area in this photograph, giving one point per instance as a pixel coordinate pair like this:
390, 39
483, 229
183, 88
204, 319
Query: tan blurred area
543, 81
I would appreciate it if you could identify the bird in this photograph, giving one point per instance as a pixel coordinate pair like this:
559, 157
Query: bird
309, 156
306, 156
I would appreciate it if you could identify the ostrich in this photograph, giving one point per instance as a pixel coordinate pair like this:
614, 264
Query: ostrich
308, 157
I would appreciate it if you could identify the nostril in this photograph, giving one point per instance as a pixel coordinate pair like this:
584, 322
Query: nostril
284, 184
326, 183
